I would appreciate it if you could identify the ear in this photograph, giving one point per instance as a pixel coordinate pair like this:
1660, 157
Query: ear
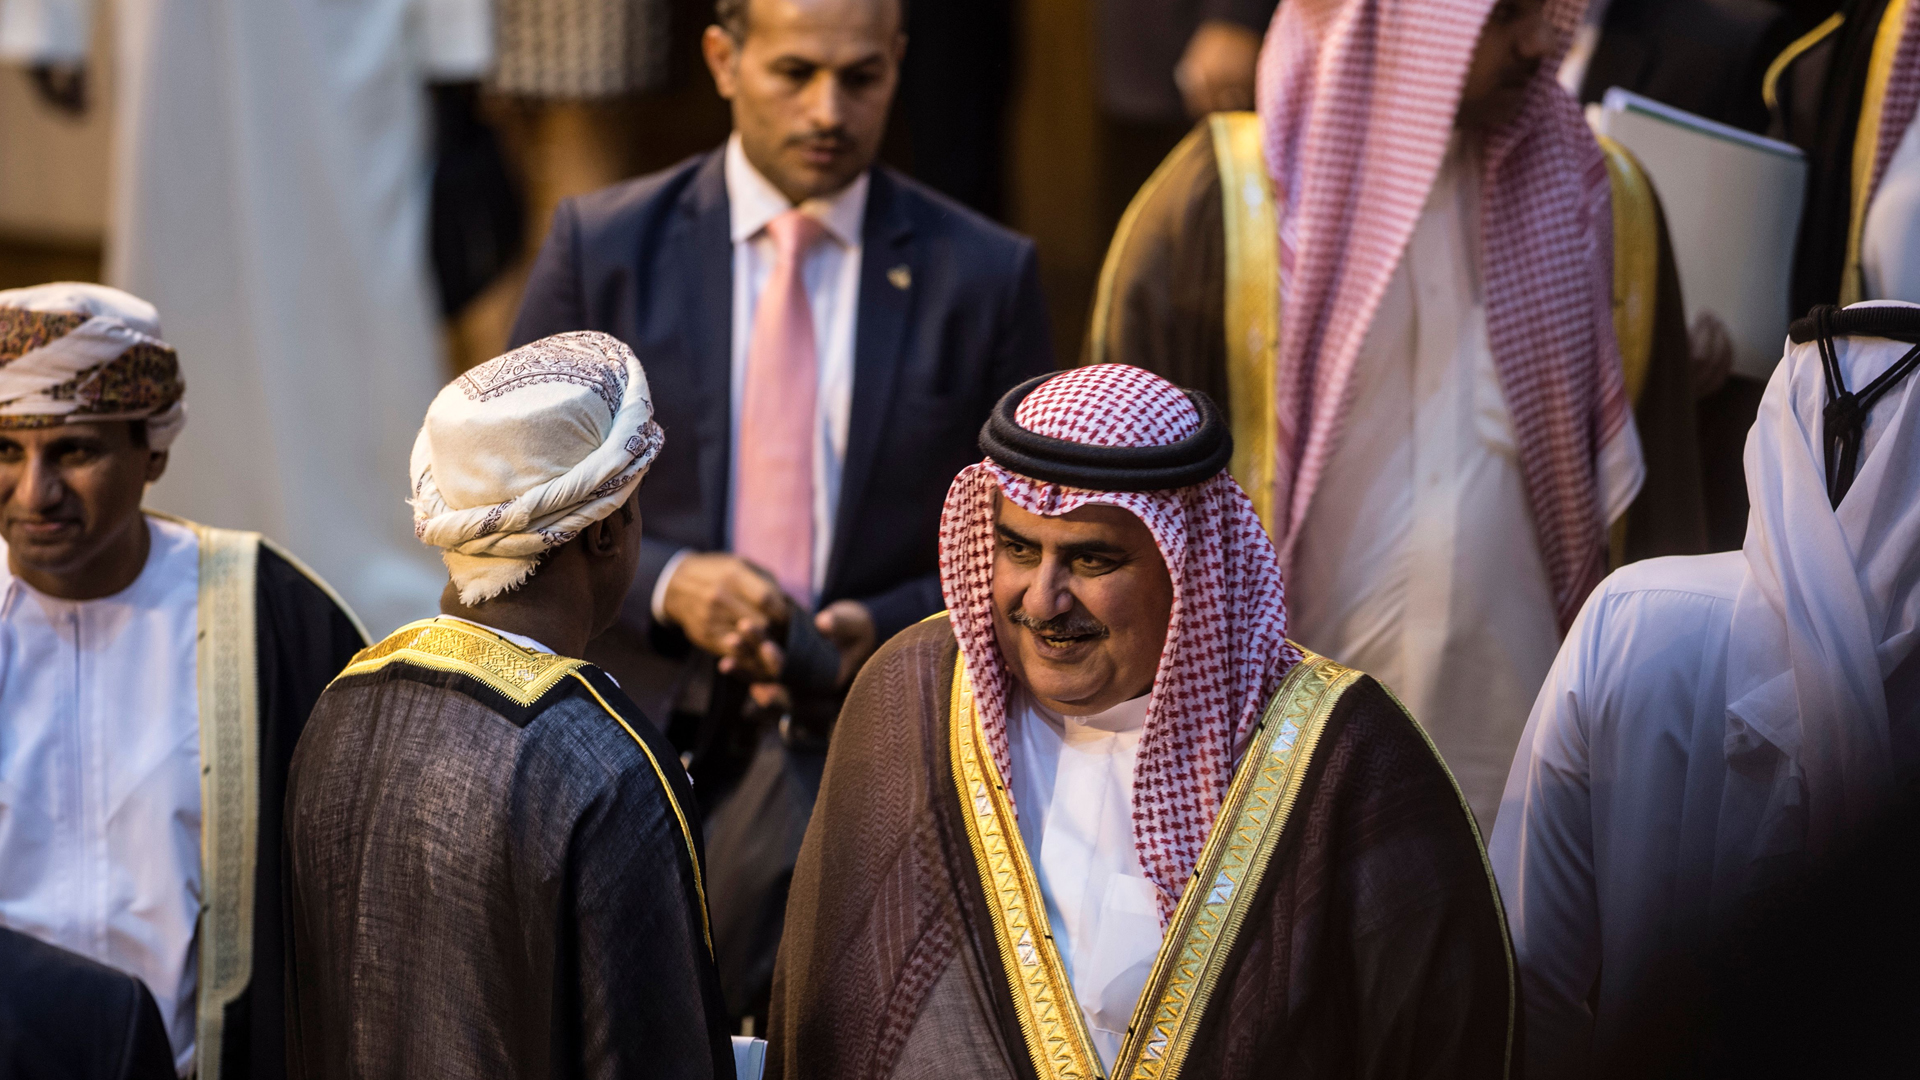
156, 465
602, 538
723, 57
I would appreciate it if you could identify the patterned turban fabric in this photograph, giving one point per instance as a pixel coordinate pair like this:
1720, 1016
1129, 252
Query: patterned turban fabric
1357, 101
524, 451
73, 352
1226, 650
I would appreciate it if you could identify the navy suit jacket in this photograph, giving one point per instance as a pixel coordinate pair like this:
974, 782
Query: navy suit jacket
950, 316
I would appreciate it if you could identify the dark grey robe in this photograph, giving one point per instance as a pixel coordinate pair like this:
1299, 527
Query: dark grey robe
64, 1017
491, 874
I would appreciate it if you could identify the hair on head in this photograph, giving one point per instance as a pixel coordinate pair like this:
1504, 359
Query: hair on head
731, 16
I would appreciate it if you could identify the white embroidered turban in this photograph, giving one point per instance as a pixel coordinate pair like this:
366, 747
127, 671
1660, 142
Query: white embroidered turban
522, 452
72, 352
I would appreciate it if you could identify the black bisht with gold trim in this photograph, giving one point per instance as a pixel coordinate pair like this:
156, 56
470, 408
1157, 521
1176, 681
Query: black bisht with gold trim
491, 873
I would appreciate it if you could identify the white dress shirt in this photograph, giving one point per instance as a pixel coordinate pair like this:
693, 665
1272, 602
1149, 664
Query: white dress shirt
831, 274
1417, 562
100, 773
1073, 794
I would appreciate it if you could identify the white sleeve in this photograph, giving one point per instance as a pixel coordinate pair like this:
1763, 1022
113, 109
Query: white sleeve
45, 31
1542, 855
456, 39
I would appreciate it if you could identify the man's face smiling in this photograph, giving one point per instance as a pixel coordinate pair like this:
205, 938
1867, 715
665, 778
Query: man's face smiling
1081, 604
69, 499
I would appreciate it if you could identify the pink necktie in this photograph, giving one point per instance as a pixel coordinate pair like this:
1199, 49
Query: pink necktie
773, 498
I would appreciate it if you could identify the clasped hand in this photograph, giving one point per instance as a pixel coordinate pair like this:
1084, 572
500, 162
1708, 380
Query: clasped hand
735, 611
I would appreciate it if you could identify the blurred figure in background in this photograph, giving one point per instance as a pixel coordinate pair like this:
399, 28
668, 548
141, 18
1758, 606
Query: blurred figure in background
829, 338
954, 88
1708, 57
270, 192
154, 677
1449, 433
1718, 725
1848, 93
1160, 64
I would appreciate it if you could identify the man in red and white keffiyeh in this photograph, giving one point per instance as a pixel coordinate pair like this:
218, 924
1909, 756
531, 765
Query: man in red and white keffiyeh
1454, 433
1110, 750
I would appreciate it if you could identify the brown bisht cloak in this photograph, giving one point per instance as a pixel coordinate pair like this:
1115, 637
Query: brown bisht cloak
491, 875
1342, 922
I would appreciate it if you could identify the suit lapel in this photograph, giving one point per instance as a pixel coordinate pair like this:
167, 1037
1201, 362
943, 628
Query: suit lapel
705, 250
888, 268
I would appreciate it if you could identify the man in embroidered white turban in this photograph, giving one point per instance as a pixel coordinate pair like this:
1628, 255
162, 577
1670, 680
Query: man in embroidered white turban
167, 667
552, 918
1715, 724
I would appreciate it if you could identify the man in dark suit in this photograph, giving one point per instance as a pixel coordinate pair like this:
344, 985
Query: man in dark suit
824, 340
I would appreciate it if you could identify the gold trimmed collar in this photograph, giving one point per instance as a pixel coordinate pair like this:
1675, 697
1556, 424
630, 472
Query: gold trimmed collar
522, 676
1200, 937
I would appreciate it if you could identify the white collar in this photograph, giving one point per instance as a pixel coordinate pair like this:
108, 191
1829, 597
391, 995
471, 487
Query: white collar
1128, 717
753, 201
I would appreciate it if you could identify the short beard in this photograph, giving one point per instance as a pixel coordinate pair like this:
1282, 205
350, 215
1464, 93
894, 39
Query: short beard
1070, 625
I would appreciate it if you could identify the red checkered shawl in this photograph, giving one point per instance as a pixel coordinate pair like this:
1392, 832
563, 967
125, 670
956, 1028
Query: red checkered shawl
1226, 648
1357, 98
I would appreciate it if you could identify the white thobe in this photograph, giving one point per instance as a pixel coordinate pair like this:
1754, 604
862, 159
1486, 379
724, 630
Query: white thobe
1073, 794
269, 196
1417, 562
100, 773
1604, 848
830, 273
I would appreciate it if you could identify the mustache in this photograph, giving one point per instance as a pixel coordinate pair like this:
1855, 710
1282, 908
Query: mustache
1070, 624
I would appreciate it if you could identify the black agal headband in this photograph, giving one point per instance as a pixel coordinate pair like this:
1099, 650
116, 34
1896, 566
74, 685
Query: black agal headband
1200, 456
1845, 419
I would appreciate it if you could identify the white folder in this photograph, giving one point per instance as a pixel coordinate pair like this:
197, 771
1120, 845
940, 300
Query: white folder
749, 1057
1732, 201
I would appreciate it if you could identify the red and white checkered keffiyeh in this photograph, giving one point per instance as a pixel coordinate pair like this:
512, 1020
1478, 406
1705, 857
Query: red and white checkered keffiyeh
1357, 98
1226, 649
1901, 101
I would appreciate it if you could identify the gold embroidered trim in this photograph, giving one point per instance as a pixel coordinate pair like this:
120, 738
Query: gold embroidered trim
1770, 82
520, 675
1231, 867
1636, 263
1211, 910
686, 832
226, 659
1056, 1033
1252, 303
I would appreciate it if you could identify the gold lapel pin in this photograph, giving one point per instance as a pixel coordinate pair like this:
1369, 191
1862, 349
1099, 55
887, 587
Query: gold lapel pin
900, 276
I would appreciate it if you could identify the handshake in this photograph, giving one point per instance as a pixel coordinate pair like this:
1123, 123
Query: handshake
736, 611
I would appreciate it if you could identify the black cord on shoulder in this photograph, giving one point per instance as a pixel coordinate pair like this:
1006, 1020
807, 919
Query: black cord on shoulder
1845, 418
